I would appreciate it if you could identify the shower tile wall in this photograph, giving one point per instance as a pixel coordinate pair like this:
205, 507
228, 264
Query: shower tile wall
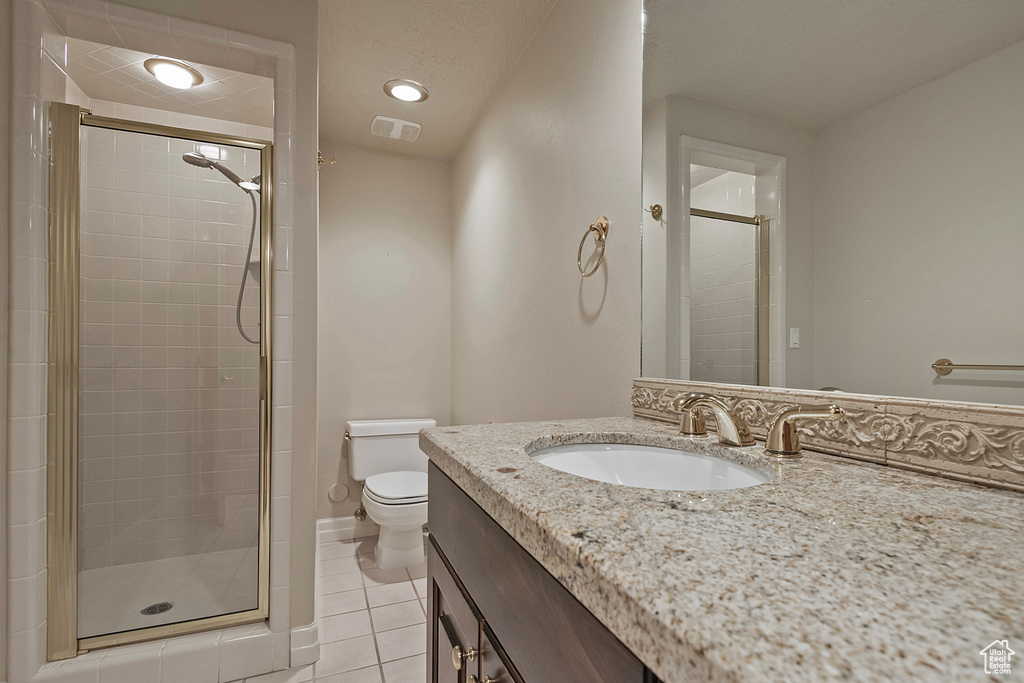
723, 340
169, 390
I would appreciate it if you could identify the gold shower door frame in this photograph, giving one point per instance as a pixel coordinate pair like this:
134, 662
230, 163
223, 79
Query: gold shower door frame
62, 385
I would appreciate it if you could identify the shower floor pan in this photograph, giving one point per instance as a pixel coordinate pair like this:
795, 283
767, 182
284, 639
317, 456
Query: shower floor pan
112, 599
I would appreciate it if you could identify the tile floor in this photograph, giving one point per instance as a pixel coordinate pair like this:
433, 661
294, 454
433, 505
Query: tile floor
372, 621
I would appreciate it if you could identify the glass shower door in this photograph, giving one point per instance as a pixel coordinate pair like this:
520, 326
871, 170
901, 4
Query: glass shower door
723, 301
172, 419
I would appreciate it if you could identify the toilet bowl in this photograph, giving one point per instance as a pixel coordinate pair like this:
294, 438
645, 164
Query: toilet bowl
397, 501
385, 456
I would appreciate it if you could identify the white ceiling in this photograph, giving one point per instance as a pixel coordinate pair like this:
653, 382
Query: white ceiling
810, 63
116, 74
459, 49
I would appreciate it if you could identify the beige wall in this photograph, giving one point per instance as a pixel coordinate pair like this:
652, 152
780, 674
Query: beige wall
660, 297
918, 244
679, 116
558, 145
385, 313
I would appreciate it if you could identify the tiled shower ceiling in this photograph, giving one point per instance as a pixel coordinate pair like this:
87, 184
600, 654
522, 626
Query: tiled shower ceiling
116, 74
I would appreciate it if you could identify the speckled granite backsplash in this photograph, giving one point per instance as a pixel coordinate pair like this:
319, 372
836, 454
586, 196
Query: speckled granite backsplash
965, 441
836, 570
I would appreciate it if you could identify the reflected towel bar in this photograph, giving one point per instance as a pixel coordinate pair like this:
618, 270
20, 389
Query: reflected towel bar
719, 216
944, 366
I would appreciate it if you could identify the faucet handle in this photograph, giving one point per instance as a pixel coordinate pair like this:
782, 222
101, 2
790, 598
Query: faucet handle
680, 399
732, 431
783, 439
691, 422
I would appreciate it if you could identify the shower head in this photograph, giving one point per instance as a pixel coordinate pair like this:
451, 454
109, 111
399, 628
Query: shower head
200, 160
196, 159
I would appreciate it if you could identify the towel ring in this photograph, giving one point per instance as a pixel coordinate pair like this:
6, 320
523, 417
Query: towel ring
600, 227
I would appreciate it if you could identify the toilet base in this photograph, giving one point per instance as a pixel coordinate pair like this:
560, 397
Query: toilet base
399, 548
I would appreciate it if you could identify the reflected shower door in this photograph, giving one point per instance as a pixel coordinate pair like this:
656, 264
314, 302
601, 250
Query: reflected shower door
171, 465
723, 301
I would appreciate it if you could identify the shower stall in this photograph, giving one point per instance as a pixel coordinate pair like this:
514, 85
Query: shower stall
159, 379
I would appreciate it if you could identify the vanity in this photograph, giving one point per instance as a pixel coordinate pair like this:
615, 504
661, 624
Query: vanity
833, 569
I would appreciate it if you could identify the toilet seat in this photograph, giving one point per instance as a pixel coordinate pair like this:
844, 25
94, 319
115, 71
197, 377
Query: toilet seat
396, 488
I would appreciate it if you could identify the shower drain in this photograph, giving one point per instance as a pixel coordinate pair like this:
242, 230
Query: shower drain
158, 608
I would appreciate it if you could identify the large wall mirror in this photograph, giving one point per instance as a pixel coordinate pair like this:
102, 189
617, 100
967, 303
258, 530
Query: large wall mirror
842, 186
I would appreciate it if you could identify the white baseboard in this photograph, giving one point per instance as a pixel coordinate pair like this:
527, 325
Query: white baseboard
344, 529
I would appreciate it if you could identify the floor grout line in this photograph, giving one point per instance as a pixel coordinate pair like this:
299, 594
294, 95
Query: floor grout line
369, 575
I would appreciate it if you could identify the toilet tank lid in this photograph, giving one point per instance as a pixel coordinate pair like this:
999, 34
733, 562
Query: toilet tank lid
387, 427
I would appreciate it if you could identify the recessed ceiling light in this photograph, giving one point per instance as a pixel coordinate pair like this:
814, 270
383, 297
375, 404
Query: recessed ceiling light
173, 72
405, 90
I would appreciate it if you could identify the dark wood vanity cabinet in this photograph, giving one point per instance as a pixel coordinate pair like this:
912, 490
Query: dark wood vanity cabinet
459, 634
454, 624
513, 620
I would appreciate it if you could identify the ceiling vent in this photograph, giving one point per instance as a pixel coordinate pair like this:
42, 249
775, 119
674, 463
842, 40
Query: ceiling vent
396, 129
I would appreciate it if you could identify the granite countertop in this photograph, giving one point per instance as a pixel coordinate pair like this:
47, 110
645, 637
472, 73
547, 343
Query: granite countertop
835, 570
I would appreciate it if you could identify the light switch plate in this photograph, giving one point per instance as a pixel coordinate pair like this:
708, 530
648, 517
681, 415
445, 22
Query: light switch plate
794, 337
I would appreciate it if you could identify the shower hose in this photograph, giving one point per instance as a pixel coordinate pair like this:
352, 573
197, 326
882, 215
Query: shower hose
245, 273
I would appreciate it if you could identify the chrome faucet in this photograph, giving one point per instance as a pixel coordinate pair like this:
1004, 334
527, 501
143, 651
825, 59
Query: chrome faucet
732, 431
782, 437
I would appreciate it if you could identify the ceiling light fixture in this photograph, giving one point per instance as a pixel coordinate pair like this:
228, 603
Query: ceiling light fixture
173, 72
405, 90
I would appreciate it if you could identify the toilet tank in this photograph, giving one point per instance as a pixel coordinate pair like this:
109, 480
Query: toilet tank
377, 446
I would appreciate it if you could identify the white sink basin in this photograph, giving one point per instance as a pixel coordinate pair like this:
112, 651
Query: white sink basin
649, 467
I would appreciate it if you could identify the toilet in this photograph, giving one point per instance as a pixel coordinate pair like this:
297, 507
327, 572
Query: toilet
385, 455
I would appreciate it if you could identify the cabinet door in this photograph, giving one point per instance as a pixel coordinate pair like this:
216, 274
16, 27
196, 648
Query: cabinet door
453, 624
493, 666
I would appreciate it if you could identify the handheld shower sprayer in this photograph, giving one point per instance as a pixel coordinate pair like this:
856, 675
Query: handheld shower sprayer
251, 187
200, 160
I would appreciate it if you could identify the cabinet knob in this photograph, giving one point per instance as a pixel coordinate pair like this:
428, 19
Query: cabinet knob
459, 656
485, 679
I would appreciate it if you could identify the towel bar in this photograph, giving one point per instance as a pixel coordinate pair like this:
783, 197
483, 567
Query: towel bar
944, 366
